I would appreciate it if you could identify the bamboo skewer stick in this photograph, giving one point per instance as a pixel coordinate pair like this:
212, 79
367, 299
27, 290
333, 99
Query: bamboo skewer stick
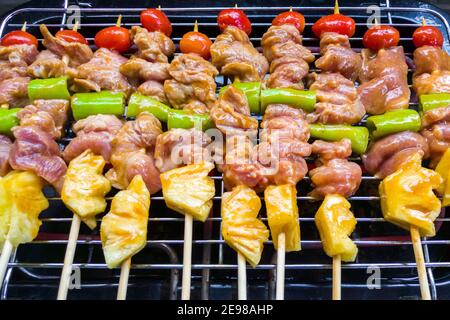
337, 277
4, 260
68, 259
281, 257
242, 277
123, 282
420, 261
187, 258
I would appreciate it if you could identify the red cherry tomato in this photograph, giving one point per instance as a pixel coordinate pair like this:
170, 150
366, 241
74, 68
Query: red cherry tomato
234, 17
428, 36
113, 38
71, 36
156, 20
19, 37
196, 42
290, 17
381, 37
334, 23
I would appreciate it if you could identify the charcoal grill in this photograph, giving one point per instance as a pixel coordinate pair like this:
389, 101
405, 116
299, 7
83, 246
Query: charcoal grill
34, 269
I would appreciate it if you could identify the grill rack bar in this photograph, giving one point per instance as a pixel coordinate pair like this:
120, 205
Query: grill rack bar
392, 13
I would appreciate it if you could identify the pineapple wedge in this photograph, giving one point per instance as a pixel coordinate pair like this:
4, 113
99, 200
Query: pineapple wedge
85, 187
407, 197
443, 168
241, 228
21, 202
335, 223
282, 213
189, 190
124, 229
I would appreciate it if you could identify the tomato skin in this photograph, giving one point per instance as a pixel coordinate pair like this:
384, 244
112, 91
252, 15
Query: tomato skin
290, 17
71, 36
428, 36
156, 20
196, 42
113, 38
234, 17
334, 23
381, 37
18, 37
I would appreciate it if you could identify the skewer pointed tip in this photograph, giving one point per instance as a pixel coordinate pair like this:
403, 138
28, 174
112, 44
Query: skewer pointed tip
290, 9
235, 6
159, 7
336, 7
24, 26
119, 20
195, 26
424, 22
75, 27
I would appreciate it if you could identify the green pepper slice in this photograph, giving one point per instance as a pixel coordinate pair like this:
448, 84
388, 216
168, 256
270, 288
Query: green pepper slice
187, 120
139, 103
92, 103
52, 88
392, 122
359, 136
8, 120
431, 101
302, 99
252, 91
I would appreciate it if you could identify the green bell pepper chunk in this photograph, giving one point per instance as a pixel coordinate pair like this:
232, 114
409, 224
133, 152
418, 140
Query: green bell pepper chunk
92, 103
392, 122
139, 103
305, 100
8, 120
52, 88
252, 91
431, 101
187, 120
359, 136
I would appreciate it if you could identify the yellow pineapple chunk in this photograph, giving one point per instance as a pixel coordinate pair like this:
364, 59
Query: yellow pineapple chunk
21, 203
282, 213
241, 228
443, 168
85, 187
124, 229
335, 223
189, 190
407, 197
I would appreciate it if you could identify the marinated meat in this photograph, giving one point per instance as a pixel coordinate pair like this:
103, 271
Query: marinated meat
282, 46
102, 72
14, 92
132, 153
77, 53
47, 65
334, 174
338, 57
234, 56
337, 100
96, 133
15, 59
384, 80
5, 148
386, 155
178, 147
436, 130
152, 46
193, 86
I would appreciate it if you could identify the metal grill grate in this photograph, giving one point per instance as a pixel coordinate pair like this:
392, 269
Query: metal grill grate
155, 270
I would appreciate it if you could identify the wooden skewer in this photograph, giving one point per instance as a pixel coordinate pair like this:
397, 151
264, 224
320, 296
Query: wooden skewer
68, 259
187, 258
4, 260
336, 7
119, 20
242, 277
281, 256
420, 261
123, 282
24, 26
4, 106
337, 277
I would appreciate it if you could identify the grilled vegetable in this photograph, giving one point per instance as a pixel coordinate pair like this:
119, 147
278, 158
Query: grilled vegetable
431, 101
156, 20
18, 37
114, 38
52, 88
234, 17
443, 168
93, 103
241, 228
71, 36
407, 197
359, 136
124, 228
335, 223
282, 213
21, 202
290, 17
189, 190
196, 42
305, 100
334, 23
139, 103
8, 120
381, 37
85, 187
393, 122
184, 119
428, 36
